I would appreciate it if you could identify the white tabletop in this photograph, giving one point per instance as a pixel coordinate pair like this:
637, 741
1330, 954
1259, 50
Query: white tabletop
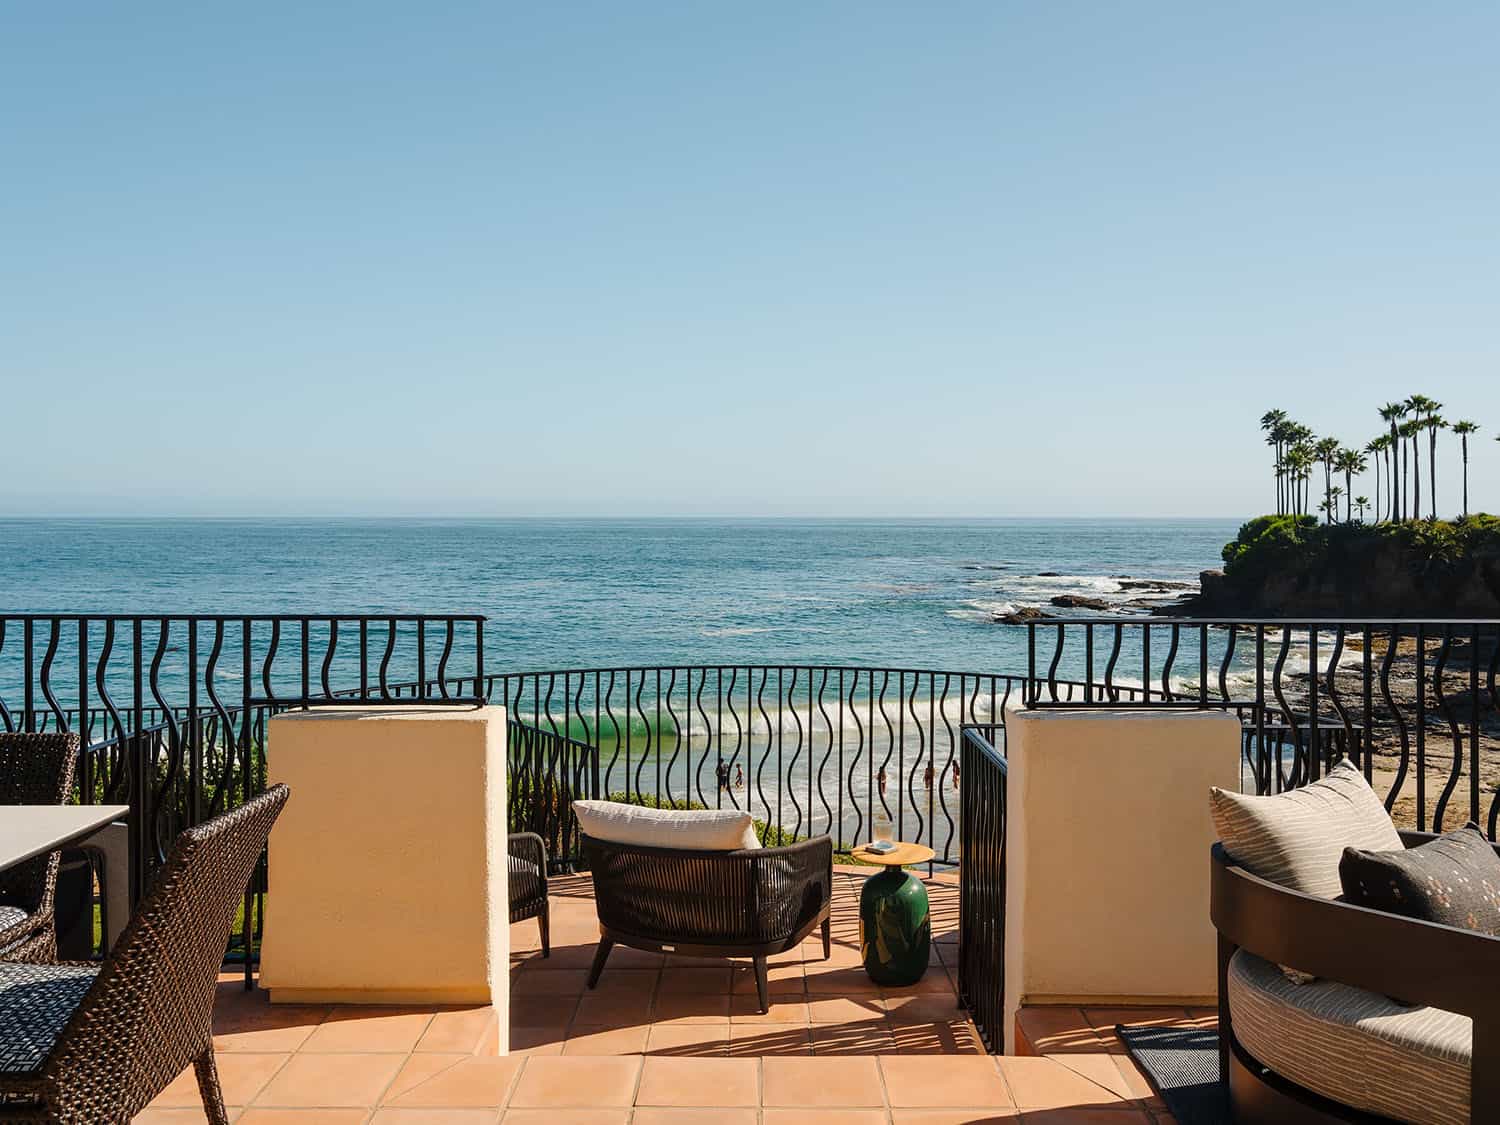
27, 831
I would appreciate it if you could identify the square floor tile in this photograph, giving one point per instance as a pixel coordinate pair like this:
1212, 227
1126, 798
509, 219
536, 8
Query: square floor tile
607, 1041
241, 1077
1040, 1083
351, 1028
333, 1080
929, 1082
466, 1081
699, 1082
791, 1083
688, 1040
588, 1082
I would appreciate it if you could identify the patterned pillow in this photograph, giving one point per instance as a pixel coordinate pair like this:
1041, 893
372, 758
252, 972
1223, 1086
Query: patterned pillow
1297, 838
1453, 880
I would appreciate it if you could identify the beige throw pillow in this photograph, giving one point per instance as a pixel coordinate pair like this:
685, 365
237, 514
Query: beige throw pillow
710, 830
1297, 838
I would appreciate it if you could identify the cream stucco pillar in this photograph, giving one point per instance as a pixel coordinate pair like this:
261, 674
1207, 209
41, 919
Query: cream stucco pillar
388, 867
1108, 834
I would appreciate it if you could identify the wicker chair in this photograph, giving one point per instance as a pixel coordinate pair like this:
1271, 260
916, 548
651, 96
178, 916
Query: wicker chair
528, 883
748, 903
80, 1043
35, 769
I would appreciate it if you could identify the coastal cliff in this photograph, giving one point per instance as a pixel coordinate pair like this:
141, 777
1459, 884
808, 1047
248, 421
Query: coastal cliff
1287, 566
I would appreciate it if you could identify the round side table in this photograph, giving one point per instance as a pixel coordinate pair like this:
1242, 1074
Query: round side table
895, 929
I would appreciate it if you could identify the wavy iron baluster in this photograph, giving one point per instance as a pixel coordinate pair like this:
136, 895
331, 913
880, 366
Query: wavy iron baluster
114, 758
760, 772
442, 667
217, 799
46, 675
707, 745
940, 779
1444, 651
858, 755
333, 643
911, 777
1401, 730
827, 752
1288, 718
163, 830
1224, 665
676, 739
265, 668
788, 767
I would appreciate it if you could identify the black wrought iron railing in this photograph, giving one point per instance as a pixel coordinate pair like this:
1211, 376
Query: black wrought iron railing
546, 773
171, 709
1415, 703
981, 885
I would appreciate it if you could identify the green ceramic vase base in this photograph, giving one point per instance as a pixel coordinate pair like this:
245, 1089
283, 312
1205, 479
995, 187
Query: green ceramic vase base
895, 929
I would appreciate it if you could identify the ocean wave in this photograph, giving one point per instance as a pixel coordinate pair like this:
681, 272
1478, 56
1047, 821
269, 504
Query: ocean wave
739, 630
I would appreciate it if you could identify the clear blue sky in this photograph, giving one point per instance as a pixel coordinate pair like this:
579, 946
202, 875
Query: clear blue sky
857, 258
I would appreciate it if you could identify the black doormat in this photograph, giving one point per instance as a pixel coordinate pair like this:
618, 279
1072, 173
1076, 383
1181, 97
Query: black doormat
1183, 1064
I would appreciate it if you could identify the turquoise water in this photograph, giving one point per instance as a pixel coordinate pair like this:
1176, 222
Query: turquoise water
576, 593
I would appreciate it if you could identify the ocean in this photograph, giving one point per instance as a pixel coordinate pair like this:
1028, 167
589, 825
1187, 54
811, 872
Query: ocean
585, 593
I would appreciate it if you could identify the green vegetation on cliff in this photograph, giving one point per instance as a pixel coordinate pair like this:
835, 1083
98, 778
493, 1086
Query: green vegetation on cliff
1270, 543
1294, 565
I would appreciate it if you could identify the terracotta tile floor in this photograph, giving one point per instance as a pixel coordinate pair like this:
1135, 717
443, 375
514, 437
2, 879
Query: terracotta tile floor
671, 1041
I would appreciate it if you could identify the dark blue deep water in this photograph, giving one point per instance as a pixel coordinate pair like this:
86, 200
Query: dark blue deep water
580, 593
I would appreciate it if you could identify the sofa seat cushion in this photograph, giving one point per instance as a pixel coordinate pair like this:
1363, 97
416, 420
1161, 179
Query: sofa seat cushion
1359, 1048
1296, 839
719, 830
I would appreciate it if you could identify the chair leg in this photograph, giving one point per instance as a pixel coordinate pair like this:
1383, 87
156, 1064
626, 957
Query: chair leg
208, 1088
762, 985
601, 955
827, 938
544, 920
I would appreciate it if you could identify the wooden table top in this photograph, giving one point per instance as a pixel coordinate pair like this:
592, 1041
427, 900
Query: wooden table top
27, 831
903, 855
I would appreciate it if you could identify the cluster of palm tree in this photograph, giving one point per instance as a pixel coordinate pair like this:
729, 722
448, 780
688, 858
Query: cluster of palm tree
1396, 455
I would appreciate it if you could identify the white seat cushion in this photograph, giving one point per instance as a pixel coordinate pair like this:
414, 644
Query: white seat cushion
1356, 1047
717, 830
1296, 839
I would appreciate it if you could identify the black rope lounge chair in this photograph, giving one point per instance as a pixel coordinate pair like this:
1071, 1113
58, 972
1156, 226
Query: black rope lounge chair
751, 903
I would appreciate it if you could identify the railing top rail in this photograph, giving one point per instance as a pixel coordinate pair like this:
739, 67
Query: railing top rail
403, 615
970, 732
1267, 622
696, 665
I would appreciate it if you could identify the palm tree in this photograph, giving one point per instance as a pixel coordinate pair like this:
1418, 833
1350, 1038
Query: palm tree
1463, 428
1330, 503
1375, 447
1418, 406
1327, 449
1433, 424
1299, 459
1363, 502
1392, 413
1273, 422
1411, 470
1349, 462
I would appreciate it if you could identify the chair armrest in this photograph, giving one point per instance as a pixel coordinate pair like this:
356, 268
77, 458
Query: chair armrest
791, 887
530, 847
